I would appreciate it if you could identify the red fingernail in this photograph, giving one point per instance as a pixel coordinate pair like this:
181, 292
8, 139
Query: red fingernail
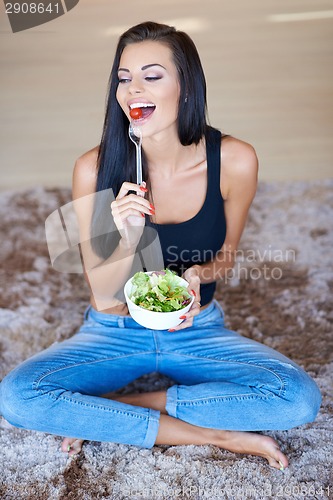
143, 215
151, 207
193, 293
152, 211
143, 189
182, 317
172, 330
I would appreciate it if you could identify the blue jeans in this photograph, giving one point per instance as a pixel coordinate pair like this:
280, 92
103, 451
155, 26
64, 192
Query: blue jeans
223, 381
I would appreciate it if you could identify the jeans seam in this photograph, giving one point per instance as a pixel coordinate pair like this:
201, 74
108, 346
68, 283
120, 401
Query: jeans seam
209, 400
157, 349
86, 313
150, 421
100, 407
82, 363
282, 383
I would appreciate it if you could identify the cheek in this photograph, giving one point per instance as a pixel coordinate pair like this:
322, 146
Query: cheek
171, 96
120, 98
175, 96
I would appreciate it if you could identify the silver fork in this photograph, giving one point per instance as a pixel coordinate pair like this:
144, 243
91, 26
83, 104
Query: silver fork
136, 137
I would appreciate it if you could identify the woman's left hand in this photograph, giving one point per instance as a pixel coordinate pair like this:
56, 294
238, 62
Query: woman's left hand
191, 275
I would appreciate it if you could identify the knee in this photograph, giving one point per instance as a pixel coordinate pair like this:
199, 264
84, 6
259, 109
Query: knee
14, 397
302, 397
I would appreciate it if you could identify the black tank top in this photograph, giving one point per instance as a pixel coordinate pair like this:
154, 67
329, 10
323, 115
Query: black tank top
198, 239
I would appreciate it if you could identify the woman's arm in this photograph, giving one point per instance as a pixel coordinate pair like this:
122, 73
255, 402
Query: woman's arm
239, 172
105, 277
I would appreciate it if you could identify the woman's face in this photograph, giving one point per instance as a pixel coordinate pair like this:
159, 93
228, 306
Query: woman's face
148, 79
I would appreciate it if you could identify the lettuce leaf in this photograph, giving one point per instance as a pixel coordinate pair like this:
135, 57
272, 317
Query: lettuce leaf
160, 291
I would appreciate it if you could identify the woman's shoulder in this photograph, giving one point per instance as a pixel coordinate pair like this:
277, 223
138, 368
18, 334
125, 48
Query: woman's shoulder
85, 173
239, 163
235, 150
87, 163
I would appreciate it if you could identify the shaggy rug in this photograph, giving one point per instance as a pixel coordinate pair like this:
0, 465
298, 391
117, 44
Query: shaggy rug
280, 295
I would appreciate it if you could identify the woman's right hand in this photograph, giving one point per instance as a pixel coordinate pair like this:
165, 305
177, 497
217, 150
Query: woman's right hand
128, 211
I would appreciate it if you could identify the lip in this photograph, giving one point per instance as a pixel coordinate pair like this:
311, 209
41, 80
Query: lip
132, 102
142, 121
138, 101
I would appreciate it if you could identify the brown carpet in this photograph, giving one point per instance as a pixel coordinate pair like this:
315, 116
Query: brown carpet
289, 240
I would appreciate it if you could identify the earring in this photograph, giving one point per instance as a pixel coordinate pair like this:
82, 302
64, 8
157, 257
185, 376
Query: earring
186, 99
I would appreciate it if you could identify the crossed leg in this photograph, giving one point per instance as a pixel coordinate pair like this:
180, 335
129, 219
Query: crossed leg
173, 431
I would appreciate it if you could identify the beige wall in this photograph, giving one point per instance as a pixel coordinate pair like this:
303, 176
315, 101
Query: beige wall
269, 82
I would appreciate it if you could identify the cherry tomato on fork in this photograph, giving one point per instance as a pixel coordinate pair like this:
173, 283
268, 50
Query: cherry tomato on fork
136, 113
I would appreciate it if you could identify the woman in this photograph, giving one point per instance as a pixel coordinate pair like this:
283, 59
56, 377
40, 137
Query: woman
198, 190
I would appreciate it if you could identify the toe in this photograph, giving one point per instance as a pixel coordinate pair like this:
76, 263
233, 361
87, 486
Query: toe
66, 443
278, 460
71, 446
277, 464
76, 447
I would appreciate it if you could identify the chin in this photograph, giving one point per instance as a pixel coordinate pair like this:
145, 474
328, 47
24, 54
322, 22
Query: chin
149, 131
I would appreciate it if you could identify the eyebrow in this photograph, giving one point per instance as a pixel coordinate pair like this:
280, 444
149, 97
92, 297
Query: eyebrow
143, 67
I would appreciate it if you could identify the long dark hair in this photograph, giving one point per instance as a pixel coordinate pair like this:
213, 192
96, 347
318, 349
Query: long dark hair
116, 156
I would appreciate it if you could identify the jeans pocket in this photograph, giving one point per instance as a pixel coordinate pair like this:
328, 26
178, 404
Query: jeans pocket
212, 315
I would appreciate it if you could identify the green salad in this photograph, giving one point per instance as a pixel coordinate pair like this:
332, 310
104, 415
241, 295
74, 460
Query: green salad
160, 291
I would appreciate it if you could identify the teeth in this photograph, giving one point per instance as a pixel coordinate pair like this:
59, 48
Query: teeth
141, 105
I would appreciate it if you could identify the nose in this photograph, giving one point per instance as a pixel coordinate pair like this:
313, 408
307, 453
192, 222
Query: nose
135, 86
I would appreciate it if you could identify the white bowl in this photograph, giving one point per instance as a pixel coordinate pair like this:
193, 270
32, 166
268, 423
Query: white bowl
152, 319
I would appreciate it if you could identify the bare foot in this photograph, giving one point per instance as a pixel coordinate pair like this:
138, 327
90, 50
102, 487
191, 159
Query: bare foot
72, 446
248, 443
251, 443
172, 431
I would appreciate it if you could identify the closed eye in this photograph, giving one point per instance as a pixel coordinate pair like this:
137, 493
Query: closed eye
152, 78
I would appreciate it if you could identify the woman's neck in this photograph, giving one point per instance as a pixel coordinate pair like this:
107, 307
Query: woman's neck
167, 155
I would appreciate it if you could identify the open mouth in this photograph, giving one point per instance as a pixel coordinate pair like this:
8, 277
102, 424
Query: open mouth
146, 110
